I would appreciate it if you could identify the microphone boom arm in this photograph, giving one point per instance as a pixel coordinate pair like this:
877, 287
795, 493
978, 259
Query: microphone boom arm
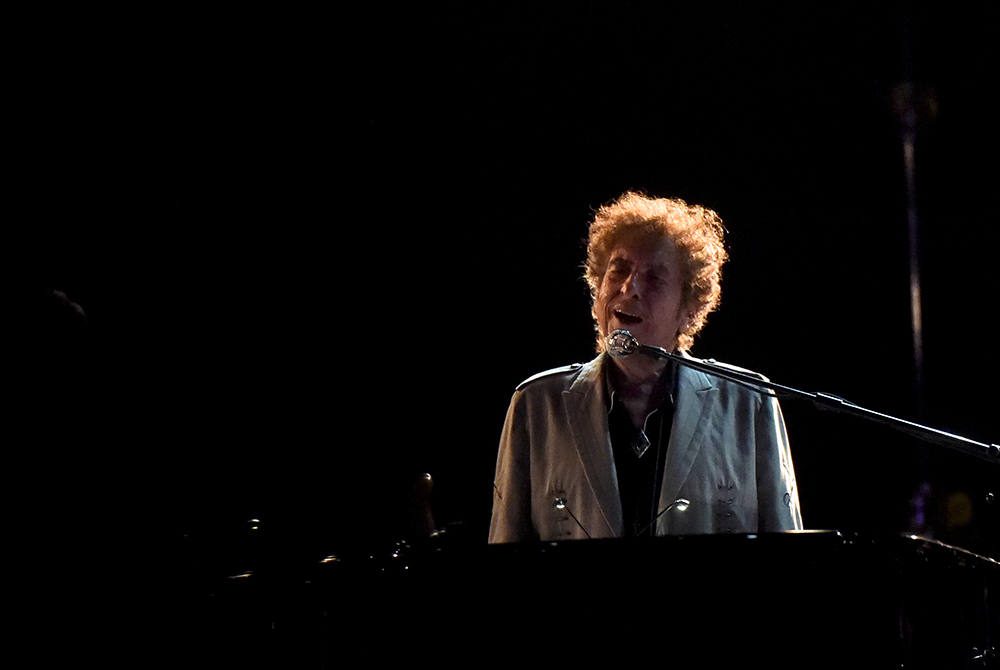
621, 343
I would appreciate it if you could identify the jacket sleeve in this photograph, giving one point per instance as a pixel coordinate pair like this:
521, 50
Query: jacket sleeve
777, 495
511, 520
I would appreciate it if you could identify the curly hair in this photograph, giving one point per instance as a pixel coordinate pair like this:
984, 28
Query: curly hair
696, 231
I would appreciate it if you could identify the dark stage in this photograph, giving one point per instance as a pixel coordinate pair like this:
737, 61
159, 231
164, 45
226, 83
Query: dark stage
317, 252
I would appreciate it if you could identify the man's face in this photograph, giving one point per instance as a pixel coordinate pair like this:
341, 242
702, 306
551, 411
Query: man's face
641, 292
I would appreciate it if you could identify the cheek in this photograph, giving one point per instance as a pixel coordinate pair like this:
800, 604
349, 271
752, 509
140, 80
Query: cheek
610, 287
598, 309
602, 297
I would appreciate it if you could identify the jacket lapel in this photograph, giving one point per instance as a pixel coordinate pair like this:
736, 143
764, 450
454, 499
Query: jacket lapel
586, 405
694, 406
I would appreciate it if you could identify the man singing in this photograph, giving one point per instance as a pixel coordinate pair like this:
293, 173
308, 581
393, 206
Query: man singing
636, 446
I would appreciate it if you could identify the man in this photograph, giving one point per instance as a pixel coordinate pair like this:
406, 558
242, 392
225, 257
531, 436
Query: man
631, 446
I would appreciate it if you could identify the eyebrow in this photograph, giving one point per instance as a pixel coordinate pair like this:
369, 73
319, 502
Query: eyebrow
659, 268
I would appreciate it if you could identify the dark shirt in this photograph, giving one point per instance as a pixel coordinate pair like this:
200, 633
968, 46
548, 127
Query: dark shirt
640, 456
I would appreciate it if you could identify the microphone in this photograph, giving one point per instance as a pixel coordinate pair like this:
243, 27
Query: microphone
620, 343
681, 505
560, 503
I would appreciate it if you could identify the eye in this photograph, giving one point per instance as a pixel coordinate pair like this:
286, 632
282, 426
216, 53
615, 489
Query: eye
650, 279
658, 278
618, 269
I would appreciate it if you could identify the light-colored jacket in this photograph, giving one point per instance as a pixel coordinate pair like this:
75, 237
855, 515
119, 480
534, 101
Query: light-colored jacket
728, 457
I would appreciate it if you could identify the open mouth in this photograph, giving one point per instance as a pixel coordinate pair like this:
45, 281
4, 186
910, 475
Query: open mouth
627, 319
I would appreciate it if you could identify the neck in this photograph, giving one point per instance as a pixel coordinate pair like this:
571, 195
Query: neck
639, 383
638, 377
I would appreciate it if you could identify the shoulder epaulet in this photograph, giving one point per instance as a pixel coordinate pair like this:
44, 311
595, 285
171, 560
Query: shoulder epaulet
734, 368
566, 369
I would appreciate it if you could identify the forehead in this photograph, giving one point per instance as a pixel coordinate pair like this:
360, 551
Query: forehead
654, 251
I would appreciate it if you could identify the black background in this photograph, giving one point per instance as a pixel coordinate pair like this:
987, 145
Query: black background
319, 250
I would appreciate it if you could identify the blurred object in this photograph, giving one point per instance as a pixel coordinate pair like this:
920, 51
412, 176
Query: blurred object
420, 523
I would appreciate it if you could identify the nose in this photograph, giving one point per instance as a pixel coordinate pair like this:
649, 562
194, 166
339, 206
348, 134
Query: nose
631, 286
